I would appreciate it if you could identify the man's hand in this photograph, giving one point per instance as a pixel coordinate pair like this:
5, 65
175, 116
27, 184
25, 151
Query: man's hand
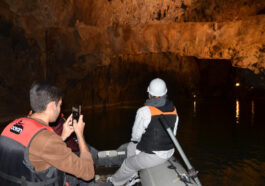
68, 129
79, 131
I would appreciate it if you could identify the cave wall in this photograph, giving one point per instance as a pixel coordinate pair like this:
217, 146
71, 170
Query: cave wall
106, 51
242, 42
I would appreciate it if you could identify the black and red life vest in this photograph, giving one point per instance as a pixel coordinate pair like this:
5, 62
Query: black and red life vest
155, 137
15, 167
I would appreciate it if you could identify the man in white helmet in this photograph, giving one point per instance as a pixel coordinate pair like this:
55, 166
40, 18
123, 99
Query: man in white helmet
150, 144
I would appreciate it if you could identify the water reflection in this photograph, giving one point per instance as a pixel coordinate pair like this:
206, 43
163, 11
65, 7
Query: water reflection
194, 107
252, 111
237, 112
227, 155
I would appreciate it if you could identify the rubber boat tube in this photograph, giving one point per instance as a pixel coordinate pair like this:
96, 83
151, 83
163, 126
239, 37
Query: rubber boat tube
170, 173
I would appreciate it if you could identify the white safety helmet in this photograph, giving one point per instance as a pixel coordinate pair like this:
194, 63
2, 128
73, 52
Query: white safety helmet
157, 87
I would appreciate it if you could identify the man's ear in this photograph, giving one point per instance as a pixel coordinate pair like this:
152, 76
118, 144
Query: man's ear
51, 106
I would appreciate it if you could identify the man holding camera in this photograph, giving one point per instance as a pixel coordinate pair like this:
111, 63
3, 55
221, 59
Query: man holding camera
32, 154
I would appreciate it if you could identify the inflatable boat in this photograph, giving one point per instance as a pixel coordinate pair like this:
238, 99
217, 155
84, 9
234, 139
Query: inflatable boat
170, 173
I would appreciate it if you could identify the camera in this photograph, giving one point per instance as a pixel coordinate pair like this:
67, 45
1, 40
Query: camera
76, 111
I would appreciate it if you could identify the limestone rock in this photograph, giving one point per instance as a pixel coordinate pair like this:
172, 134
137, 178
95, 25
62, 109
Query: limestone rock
105, 51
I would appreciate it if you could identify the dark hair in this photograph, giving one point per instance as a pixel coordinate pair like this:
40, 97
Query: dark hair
42, 93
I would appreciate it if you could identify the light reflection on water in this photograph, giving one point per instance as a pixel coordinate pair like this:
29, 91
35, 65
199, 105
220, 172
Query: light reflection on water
194, 107
237, 111
252, 111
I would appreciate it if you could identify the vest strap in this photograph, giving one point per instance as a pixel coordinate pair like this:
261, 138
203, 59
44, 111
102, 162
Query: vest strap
155, 111
22, 181
10, 178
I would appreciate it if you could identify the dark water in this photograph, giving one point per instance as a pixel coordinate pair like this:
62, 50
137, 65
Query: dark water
224, 140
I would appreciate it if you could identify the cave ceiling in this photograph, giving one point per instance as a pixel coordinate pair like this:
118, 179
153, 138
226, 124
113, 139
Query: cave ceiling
208, 29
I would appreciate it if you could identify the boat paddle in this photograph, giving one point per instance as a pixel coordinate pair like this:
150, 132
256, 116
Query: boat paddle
191, 170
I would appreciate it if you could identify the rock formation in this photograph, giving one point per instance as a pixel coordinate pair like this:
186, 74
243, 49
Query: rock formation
106, 51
